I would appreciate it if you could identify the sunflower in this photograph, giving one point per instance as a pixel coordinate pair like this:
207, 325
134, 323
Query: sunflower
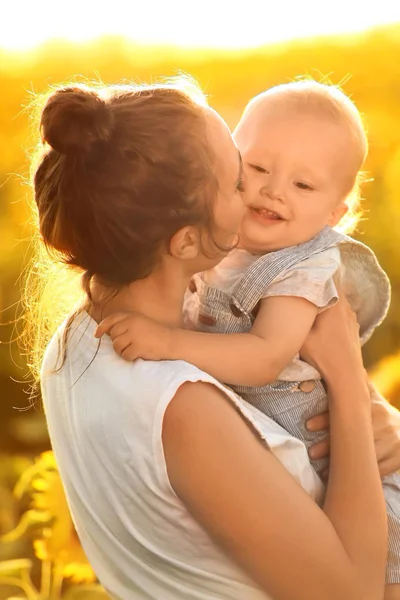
55, 537
386, 377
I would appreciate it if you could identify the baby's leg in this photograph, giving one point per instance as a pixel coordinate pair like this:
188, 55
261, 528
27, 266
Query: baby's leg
392, 592
391, 488
291, 404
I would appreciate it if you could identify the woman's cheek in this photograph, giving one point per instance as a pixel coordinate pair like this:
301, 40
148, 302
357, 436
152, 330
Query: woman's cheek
236, 212
252, 188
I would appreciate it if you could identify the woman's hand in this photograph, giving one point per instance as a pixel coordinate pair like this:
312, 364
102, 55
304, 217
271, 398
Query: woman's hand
386, 426
333, 344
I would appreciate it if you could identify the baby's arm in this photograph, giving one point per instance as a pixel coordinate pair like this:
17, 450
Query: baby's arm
254, 358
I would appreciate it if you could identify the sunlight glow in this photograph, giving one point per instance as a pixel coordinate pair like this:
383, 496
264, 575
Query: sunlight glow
208, 24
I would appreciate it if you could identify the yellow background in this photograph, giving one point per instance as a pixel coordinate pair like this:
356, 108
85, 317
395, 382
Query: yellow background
366, 64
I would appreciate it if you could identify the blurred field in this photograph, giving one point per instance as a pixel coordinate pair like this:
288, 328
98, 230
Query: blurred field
368, 66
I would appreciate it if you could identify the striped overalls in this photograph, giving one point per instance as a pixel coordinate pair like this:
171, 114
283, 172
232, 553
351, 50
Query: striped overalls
291, 403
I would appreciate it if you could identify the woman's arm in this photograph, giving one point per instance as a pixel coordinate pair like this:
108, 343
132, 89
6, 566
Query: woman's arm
253, 507
386, 428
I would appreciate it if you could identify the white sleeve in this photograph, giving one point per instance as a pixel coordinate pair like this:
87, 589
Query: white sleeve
290, 451
312, 279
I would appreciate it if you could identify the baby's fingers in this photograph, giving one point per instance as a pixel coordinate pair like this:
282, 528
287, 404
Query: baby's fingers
109, 322
119, 329
130, 353
122, 344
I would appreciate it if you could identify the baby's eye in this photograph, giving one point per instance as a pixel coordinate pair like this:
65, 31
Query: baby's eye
259, 169
303, 186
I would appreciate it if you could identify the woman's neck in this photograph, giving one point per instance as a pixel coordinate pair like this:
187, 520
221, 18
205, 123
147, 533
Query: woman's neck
159, 297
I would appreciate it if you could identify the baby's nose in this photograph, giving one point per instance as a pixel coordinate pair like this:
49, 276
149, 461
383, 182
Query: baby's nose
274, 187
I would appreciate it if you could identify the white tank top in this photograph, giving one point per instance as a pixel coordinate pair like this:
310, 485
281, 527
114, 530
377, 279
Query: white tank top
105, 421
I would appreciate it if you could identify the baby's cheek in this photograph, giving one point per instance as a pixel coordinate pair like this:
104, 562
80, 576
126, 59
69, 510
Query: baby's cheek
303, 223
314, 215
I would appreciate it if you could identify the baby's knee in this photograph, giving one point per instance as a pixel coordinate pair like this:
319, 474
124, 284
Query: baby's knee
392, 592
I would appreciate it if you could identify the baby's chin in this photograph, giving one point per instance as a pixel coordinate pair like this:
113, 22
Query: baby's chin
255, 245
273, 238
260, 240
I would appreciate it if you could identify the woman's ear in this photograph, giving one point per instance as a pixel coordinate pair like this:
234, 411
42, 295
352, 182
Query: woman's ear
185, 243
337, 214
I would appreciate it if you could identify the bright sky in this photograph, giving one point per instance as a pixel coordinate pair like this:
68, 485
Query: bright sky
210, 23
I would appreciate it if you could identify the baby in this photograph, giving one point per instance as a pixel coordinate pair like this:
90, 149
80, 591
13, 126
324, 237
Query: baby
303, 145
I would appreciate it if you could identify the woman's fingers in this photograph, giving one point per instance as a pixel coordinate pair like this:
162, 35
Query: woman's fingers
318, 423
388, 466
343, 353
320, 450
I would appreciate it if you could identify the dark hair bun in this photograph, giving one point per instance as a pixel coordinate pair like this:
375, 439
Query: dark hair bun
73, 119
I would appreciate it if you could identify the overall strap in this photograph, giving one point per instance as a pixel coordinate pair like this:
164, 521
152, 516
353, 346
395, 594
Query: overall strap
268, 267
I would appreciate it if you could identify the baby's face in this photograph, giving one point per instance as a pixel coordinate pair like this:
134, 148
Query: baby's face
298, 170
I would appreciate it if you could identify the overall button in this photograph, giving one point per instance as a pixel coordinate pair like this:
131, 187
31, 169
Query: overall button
207, 319
192, 286
235, 310
307, 386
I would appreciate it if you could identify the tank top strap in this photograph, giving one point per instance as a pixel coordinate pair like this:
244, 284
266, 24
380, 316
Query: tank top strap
268, 267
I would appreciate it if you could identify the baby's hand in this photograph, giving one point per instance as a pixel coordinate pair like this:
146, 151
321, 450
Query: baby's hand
135, 336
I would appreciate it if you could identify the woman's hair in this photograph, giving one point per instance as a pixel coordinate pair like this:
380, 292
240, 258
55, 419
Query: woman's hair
330, 101
120, 171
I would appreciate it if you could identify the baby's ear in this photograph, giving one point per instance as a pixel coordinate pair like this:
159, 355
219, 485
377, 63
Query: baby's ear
337, 215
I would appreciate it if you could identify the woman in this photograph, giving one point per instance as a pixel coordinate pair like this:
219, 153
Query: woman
178, 489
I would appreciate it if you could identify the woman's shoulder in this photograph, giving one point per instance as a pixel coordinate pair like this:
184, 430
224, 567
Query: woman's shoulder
143, 391
164, 380
200, 405
74, 344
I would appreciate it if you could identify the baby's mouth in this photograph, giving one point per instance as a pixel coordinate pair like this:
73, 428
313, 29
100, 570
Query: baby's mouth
267, 214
